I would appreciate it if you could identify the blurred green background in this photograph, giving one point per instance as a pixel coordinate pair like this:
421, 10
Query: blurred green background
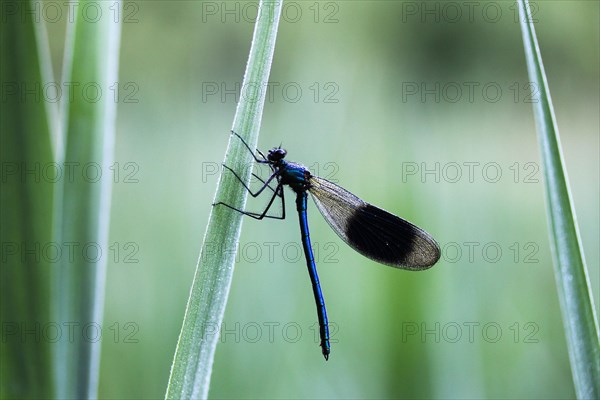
371, 95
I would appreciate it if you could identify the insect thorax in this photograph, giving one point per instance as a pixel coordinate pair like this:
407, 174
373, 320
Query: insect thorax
297, 176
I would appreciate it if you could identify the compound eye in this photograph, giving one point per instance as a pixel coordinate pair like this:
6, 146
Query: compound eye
276, 154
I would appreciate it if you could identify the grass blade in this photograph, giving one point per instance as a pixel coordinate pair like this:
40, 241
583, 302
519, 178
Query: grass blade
579, 319
192, 364
26, 131
83, 202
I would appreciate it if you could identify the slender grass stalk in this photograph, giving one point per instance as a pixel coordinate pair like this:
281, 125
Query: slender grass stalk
579, 319
27, 122
82, 209
192, 364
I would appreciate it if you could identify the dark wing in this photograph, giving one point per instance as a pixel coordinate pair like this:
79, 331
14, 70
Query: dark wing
373, 232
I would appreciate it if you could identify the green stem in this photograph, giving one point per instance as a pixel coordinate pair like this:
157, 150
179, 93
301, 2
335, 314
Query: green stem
27, 127
82, 208
579, 318
192, 364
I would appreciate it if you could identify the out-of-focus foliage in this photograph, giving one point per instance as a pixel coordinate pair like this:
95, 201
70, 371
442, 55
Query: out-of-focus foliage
416, 107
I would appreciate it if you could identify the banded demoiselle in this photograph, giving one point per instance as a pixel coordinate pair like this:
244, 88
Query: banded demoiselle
373, 232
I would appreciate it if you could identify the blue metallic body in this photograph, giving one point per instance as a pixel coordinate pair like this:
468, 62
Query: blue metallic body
312, 271
298, 178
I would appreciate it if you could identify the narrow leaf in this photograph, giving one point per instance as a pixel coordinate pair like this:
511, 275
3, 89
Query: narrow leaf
83, 203
192, 364
26, 131
579, 319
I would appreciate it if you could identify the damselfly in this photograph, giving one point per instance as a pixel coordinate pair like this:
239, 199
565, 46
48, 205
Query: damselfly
373, 232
